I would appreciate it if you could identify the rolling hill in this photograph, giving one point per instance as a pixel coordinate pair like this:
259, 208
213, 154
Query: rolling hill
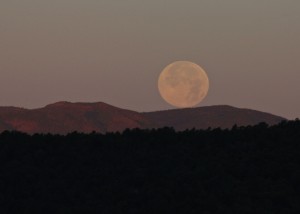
222, 116
66, 117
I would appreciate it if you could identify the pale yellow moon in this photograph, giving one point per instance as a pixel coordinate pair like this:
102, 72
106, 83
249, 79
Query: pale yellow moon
183, 84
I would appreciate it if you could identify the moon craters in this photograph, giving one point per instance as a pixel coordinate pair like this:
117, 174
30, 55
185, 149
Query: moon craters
183, 84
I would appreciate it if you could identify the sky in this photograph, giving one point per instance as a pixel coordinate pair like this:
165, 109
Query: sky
114, 51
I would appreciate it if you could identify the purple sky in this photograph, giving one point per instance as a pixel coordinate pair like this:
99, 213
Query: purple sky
114, 51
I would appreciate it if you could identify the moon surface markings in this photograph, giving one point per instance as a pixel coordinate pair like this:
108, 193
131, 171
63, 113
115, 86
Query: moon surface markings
183, 84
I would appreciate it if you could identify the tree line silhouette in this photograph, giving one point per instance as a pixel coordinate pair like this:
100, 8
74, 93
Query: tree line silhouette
250, 169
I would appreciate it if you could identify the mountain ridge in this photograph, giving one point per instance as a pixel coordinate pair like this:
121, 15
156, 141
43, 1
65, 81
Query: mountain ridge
65, 117
224, 116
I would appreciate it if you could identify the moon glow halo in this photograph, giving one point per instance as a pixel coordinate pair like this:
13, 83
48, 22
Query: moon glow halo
183, 84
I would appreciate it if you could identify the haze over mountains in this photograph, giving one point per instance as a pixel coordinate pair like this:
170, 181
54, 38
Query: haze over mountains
66, 117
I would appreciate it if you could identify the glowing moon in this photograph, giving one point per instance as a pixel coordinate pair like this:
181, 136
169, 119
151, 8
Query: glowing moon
183, 84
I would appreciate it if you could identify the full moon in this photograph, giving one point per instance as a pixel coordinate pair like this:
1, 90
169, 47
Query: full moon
183, 84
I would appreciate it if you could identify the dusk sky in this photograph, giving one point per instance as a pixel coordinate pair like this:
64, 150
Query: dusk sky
114, 51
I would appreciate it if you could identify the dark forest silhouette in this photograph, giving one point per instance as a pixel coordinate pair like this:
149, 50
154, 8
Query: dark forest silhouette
250, 169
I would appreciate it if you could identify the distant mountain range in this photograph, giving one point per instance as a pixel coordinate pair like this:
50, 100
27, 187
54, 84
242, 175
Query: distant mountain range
66, 117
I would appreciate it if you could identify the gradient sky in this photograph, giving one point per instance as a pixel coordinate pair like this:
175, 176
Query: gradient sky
114, 51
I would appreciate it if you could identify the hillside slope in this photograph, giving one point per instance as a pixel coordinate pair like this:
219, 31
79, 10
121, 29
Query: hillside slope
212, 116
66, 117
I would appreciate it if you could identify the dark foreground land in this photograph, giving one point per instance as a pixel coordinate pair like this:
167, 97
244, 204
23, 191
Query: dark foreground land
254, 169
